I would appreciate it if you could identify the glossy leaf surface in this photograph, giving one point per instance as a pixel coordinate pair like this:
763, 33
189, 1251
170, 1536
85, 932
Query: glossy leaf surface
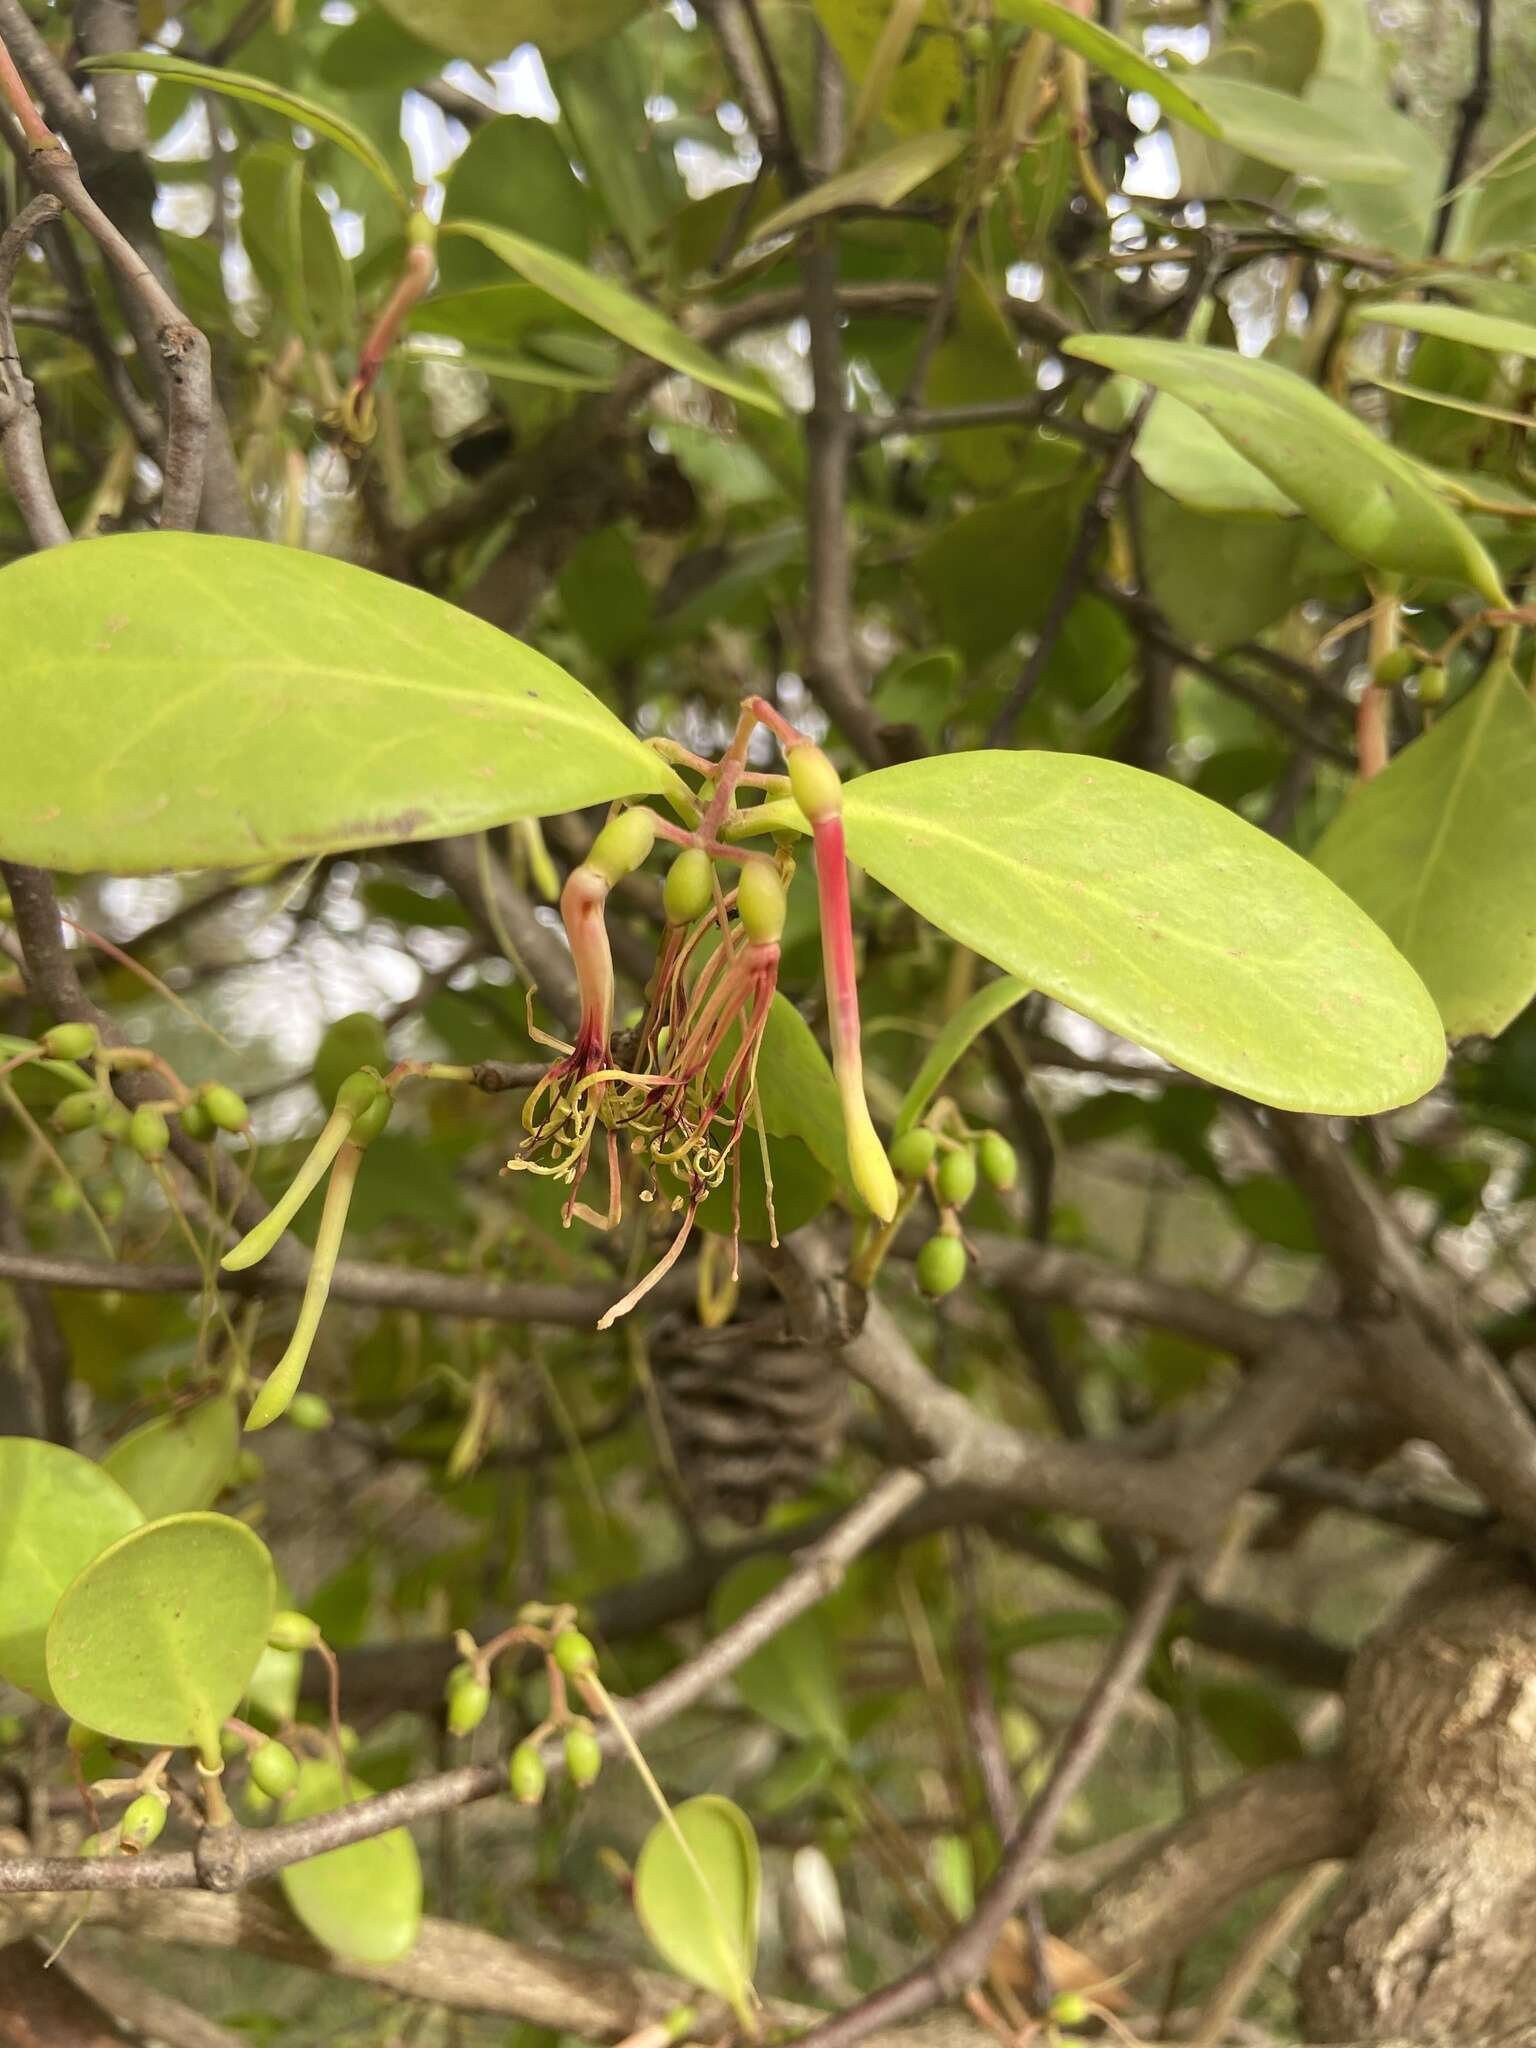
57, 1512
362, 1901
699, 1905
178, 1462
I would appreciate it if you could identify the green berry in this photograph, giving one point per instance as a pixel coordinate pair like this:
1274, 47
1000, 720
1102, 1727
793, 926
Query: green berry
957, 1177
760, 903
689, 888
1431, 685
274, 1769
149, 1134
583, 1758
999, 1162
349, 1043
226, 1110
69, 1041
195, 1122
142, 1822
1395, 667
290, 1630
977, 40
526, 1774
940, 1266
573, 1654
110, 1200
248, 1468
912, 1153
115, 1123
78, 1112
468, 1704
63, 1198
310, 1411
1070, 2009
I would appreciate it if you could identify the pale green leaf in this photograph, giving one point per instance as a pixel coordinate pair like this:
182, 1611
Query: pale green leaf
792, 1680
1358, 489
259, 92
174, 700
517, 369
1184, 455
179, 1461
157, 1638
995, 1000
1455, 323
1107, 53
1440, 848
1279, 129
362, 1901
617, 311
57, 1512
882, 180
1159, 914
698, 1904
486, 30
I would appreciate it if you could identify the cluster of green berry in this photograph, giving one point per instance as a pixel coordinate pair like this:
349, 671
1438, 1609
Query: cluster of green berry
1408, 663
569, 1660
951, 1163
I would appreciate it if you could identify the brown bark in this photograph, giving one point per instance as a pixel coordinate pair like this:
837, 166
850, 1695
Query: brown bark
40, 2008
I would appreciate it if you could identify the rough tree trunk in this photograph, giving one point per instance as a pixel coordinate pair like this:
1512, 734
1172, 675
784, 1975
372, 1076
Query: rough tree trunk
1432, 1934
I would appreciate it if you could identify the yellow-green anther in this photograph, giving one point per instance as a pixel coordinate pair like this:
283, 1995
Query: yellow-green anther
623, 845
255, 1245
283, 1382
760, 903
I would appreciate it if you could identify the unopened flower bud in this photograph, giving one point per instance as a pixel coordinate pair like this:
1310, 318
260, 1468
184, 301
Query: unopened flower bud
760, 903
623, 845
688, 891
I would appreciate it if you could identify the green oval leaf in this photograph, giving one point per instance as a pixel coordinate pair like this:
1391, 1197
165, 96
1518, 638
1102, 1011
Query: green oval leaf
1359, 490
698, 1904
1107, 53
882, 180
258, 92
1455, 323
792, 1680
157, 1638
1161, 915
364, 1900
615, 310
1184, 455
180, 1461
1279, 129
174, 700
57, 1512
1440, 849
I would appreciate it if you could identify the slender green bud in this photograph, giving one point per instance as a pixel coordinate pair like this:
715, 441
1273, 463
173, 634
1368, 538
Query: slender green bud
142, 1823
225, 1108
149, 1134
274, 1769
291, 1630
623, 845
526, 1774
957, 1177
816, 784
573, 1654
760, 903
688, 891
999, 1162
468, 1704
69, 1041
912, 1153
940, 1266
583, 1758
871, 1170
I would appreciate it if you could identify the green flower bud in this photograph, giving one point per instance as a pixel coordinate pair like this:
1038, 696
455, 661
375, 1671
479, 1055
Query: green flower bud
274, 1769
367, 1125
573, 1654
468, 1704
78, 1112
816, 784
1431, 685
290, 1630
149, 1134
195, 1122
226, 1110
583, 1758
349, 1043
999, 1162
940, 1266
115, 1123
63, 1199
110, 1200
1395, 667
957, 1177
359, 1092
912, 1153
526, 1774
142, 1822
69, 1041
760, 903
310, 1412
689, 889
623, 845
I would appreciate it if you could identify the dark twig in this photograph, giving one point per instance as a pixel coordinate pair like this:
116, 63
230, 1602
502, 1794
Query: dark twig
963, 1960
1469, 118
21, 434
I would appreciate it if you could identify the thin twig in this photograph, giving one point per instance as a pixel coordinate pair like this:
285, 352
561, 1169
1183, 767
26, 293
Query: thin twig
1469, 119
21, 434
